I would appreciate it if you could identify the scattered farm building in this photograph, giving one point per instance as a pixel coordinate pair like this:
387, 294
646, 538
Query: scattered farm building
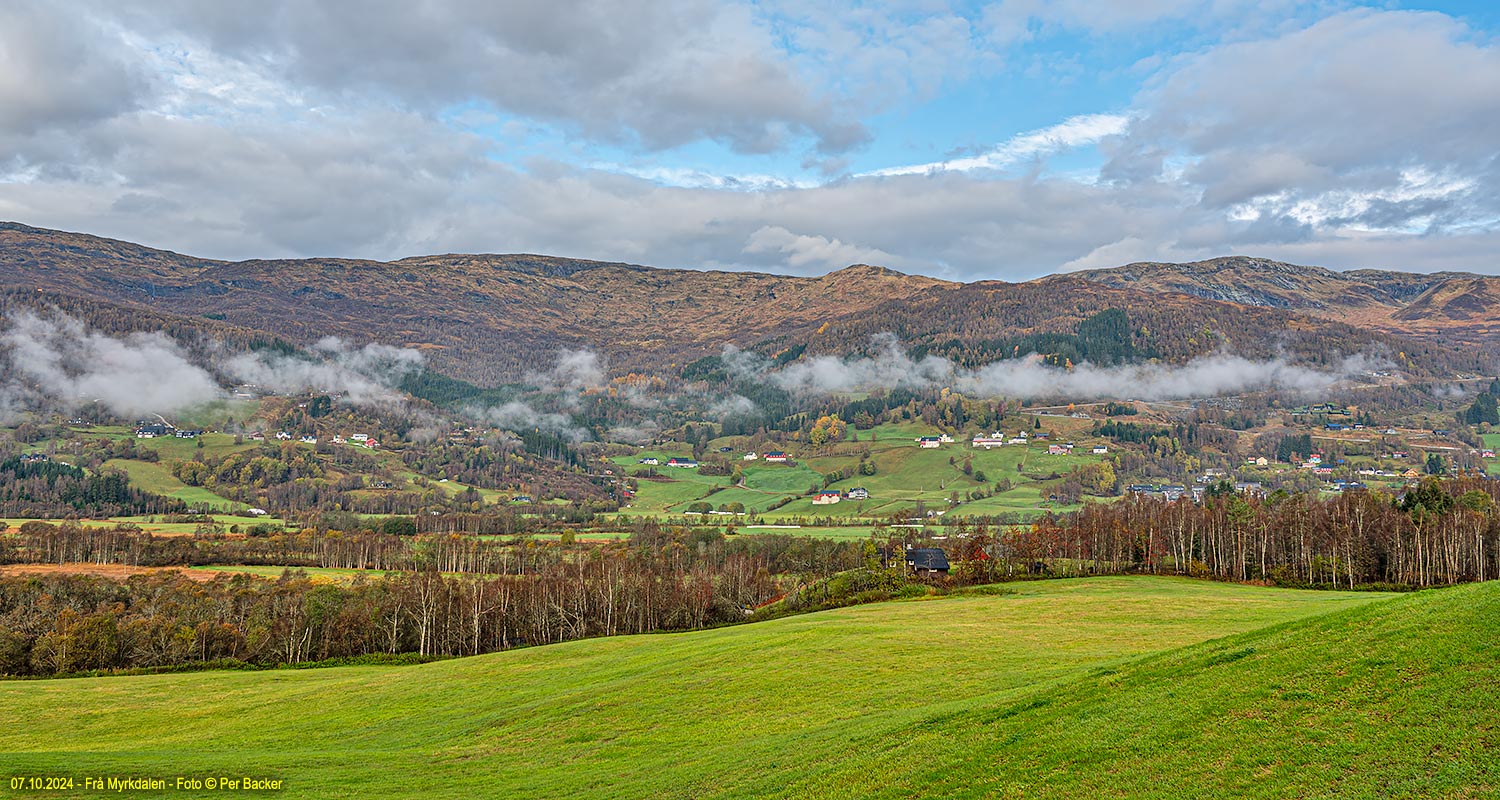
827, 498
927, 561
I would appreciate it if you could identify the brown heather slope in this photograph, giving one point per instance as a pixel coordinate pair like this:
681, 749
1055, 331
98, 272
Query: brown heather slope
496, 318
487, 318
1443, 306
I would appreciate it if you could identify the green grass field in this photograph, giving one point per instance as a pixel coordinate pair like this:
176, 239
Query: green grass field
905, 476
1119, 687
1492, 441
158, 479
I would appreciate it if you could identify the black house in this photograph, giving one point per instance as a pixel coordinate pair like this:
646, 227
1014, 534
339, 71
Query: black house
927, 561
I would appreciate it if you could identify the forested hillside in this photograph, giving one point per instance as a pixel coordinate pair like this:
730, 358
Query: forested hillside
494, 319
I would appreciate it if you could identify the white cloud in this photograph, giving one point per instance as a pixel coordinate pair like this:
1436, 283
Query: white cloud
1074, 132
56, 358
1360, 140
1027, 378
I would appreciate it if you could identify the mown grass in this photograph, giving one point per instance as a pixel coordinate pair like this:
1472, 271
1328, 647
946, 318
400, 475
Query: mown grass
905, 476
158, 479
1063, 689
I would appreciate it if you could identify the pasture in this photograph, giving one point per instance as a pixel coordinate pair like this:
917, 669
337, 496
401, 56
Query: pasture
1117, 687
905, 477
158, 479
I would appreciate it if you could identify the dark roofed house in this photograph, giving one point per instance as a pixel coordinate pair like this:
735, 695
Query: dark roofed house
927, 561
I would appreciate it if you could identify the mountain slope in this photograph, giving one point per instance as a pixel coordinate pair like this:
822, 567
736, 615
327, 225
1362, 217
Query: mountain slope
494, 319
1440, 306
1063, 689
487, 318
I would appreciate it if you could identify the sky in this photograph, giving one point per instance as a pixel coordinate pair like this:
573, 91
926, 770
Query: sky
968, 141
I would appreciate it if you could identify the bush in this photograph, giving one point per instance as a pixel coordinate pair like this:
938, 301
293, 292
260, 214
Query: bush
399, 526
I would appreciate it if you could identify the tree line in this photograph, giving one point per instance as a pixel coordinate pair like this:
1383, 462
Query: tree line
659, 580
1438, 533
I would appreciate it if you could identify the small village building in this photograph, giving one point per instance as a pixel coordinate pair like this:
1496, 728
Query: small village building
1057, 450
930, 442
987, 442
859, 493
827, 498
777, 457
1100, 450
650, 460
927, 561
685, 463
749, 457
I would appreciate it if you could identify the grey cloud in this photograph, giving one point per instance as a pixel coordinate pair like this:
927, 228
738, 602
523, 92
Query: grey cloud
56, 358
890, 367
1363, 107
357, 175
735, 405
521, 416
366, 375
640, 434
659, 74
58, 70
578, 369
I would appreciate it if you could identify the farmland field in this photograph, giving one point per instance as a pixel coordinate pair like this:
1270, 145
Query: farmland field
158, 479
905, 475
1138, 687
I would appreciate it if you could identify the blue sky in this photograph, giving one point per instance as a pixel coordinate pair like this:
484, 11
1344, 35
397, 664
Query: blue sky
999, 140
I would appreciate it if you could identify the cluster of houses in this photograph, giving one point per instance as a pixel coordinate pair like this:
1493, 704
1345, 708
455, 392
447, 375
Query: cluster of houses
773, 457
684, 463
998, 439
34, 458
829, 497
930, 442
1173, 492
357, 440
161, 430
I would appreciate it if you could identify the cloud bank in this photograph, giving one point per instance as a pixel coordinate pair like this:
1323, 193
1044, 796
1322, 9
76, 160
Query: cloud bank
365, 375
1324, 135
1028, 378
56, 358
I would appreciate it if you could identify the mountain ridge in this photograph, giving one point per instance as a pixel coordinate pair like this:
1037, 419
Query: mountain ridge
494, 318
